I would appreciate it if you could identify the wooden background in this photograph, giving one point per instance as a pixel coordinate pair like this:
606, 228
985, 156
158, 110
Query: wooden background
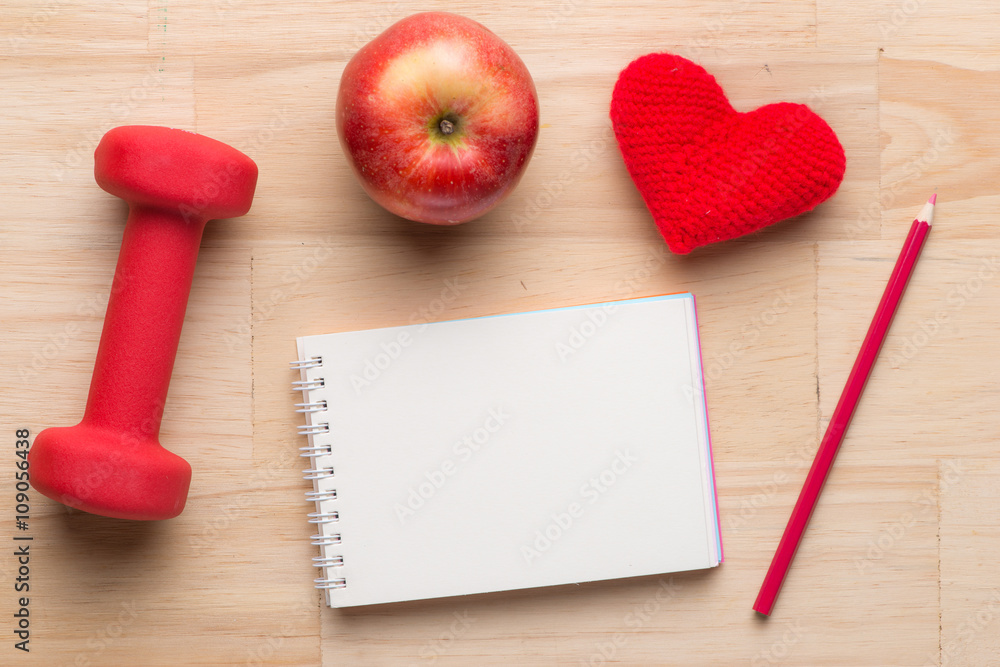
899, 565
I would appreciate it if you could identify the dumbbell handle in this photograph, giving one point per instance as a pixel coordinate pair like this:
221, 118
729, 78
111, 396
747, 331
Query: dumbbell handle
143, 322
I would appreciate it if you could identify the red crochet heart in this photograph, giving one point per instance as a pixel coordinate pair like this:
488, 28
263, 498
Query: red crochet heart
708, 172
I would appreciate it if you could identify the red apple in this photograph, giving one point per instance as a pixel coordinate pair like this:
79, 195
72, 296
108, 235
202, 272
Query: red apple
438, 117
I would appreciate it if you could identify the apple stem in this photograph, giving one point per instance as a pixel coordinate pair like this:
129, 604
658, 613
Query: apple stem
447, 127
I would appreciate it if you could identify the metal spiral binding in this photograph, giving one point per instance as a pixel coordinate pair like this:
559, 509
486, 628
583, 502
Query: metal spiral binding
314, 362
314, 429
320, 450
328, 561
329, 584
307, 408
324, 517
308, 385
318, 472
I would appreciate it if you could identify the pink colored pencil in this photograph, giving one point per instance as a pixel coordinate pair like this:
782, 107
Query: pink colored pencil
845, 410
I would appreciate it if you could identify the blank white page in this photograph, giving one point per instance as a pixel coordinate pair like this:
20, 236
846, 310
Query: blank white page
514, 451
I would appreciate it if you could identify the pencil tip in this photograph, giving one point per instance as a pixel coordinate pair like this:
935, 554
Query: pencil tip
927, 212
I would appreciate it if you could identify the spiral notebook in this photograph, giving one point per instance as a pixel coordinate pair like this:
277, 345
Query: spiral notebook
507, 452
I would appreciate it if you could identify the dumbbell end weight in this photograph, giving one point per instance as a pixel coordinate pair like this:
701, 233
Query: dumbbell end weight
188, 174
104, 472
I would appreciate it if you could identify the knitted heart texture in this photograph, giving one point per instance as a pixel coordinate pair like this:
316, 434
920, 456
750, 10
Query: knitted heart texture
707, 172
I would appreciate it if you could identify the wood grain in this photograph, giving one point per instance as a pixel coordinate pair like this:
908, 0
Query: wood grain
898, 565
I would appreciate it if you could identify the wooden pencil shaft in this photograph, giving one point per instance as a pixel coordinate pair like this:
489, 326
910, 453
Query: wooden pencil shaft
844, 412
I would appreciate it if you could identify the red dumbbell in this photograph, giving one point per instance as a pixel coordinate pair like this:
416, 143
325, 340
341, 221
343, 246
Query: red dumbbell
111, 463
